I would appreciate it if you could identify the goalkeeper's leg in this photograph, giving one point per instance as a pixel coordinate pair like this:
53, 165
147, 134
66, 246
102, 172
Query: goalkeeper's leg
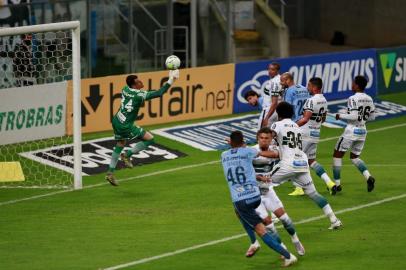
147, 140
113, 163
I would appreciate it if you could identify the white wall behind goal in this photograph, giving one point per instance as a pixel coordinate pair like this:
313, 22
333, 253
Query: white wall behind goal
32, 112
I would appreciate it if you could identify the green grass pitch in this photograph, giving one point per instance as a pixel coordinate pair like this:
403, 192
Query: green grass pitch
181, 207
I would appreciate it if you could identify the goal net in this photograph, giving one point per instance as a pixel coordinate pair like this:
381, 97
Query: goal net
40, 113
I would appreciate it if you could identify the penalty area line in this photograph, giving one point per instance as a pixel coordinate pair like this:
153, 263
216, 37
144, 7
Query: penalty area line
226, 239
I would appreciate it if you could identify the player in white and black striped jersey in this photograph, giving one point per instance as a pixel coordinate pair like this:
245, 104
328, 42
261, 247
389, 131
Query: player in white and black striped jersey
314, 114
269, 98
360, 109
293, 165
276, 93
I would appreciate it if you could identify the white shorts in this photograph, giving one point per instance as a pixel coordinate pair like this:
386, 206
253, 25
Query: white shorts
282, 174
356, 146
310, 149
270, 202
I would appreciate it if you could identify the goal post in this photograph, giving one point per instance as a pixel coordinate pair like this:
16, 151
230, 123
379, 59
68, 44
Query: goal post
35, 63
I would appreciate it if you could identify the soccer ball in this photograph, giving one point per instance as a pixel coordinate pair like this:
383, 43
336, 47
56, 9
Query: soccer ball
172, 62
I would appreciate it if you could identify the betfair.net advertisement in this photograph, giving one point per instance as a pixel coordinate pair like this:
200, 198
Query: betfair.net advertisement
198, 93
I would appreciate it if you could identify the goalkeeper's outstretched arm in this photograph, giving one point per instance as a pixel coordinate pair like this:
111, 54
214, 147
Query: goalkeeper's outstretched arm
173, 75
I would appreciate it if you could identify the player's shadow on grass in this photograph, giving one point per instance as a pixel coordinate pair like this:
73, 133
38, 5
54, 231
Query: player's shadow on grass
268, 260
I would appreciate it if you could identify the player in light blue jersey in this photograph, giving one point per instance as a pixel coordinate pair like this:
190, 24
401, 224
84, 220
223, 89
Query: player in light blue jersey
245, 194
296, 95
270, 202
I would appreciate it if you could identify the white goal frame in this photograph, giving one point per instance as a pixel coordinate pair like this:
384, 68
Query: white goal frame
74, 26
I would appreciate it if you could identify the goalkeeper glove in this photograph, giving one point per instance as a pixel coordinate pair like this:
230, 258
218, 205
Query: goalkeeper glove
173, 75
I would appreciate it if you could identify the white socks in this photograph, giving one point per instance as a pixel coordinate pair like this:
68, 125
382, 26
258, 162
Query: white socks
360, 164
329, 213
326, 178
271, 227
337, 163
366, 174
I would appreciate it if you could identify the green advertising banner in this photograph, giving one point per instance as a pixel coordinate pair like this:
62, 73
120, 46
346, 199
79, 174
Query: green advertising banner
391, 70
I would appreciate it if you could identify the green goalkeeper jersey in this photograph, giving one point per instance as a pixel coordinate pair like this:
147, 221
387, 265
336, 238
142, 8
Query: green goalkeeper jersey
132, 100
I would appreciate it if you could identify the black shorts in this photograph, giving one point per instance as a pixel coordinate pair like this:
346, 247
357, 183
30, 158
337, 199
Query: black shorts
245, 210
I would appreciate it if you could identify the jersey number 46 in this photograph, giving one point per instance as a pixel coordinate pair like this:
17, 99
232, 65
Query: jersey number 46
238, 177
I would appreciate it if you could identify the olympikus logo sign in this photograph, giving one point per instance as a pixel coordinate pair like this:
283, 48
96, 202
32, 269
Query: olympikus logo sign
335, 75
337, 71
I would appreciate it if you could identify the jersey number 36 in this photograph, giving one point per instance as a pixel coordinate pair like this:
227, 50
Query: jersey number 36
292, 140
363, 113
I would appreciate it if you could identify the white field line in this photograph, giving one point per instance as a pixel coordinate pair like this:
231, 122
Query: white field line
369, 131
379, 165
215, 242
105, 183
160, 172
66, 189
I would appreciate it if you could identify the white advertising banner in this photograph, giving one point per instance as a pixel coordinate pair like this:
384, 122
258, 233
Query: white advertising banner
32, 112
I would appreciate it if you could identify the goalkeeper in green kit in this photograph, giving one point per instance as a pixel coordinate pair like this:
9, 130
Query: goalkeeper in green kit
132, 98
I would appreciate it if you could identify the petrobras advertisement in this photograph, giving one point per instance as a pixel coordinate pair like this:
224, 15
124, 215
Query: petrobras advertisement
337, 71
32, 112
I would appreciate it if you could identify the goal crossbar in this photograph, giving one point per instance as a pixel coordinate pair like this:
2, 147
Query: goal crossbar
39, 28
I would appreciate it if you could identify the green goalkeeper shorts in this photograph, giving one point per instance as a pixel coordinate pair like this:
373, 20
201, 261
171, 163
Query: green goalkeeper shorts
126, 132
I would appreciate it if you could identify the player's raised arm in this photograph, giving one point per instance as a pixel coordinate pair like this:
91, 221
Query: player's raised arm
173, 75
347, 116
352, 113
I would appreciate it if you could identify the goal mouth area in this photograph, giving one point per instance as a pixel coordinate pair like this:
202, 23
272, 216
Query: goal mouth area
40, 102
